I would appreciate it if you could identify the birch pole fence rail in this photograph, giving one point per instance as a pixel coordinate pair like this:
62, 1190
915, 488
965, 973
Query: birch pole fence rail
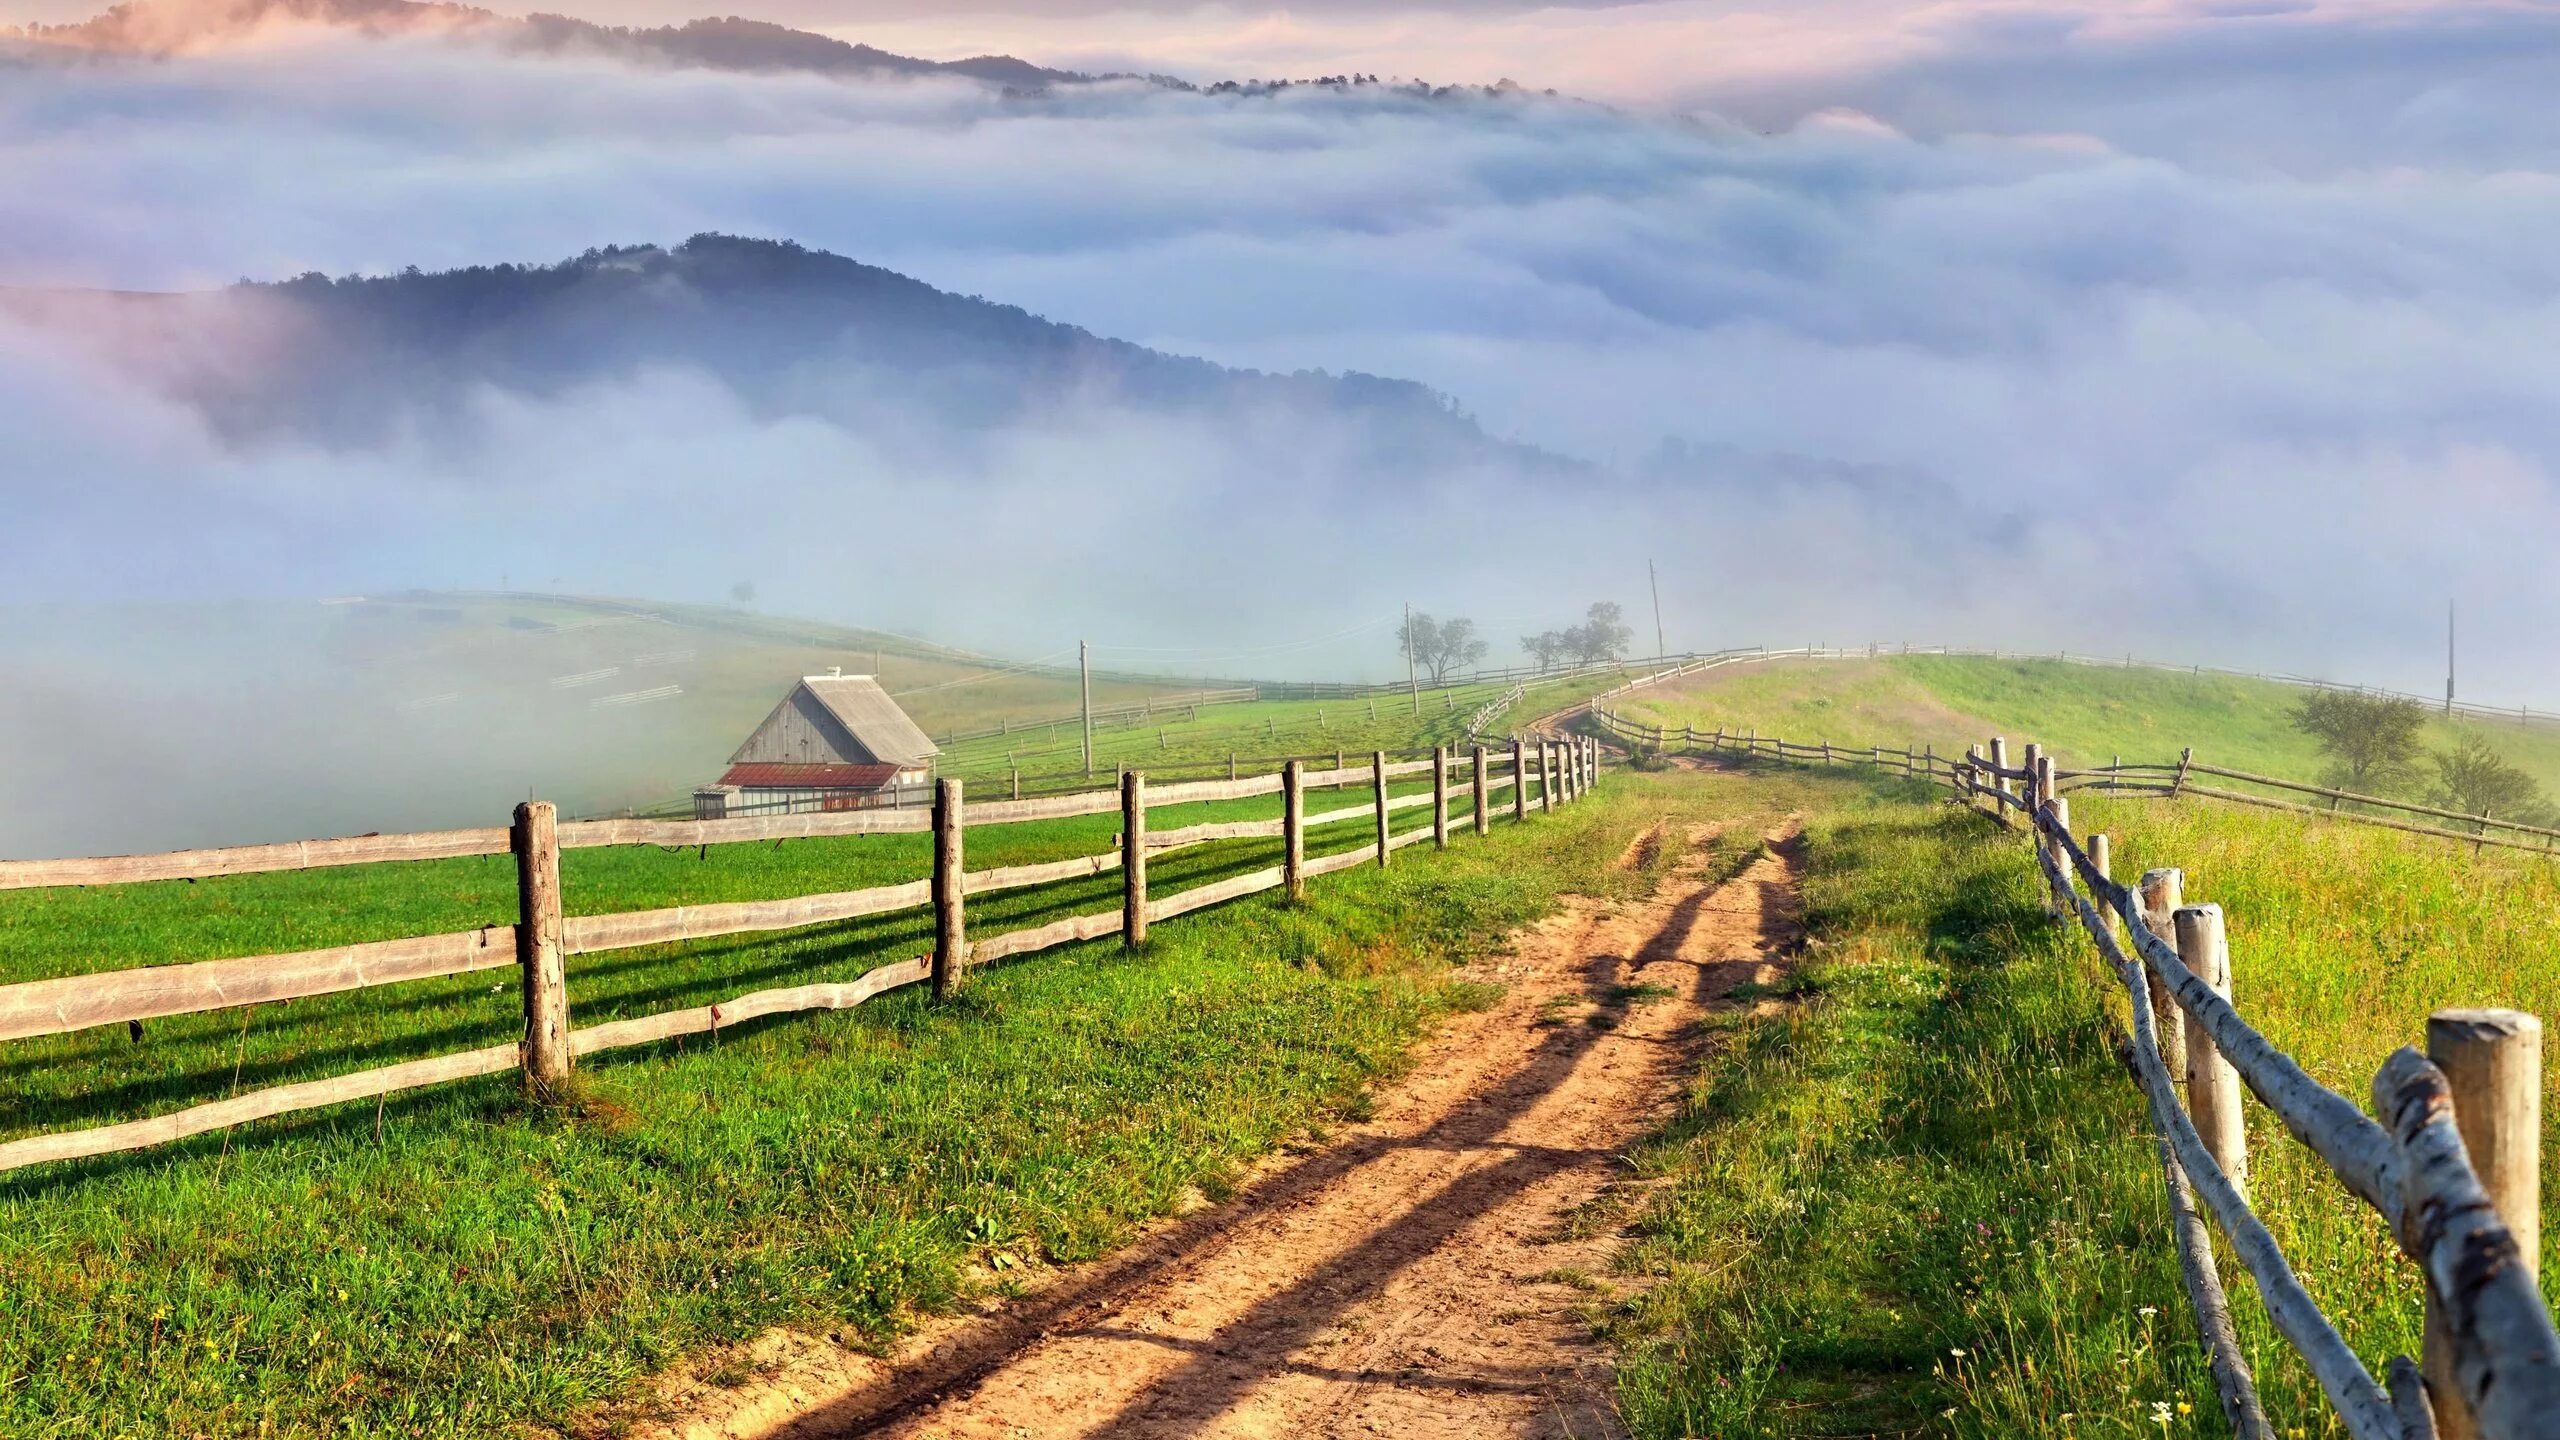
538, 944
2452, 1164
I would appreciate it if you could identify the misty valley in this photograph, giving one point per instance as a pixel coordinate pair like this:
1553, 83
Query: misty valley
1136, 718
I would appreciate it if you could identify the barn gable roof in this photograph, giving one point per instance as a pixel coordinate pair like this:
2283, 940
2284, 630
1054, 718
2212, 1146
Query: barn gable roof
874, 730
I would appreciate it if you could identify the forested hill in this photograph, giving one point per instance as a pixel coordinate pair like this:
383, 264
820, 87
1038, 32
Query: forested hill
792, 331
162, 27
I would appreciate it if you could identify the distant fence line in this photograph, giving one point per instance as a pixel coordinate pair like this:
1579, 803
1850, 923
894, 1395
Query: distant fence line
2453, 1166
1493, 709
2170, 779
1544, 773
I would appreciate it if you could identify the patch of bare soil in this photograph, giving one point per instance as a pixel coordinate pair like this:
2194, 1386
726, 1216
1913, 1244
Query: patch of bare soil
1425, 1274
1641, 851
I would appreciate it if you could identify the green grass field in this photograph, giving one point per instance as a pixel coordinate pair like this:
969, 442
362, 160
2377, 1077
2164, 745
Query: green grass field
476, 1264
1256, 731
2086, 714
1919, 1197
1924, 1201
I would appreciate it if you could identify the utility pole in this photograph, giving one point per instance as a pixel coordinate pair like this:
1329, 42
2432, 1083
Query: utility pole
1084, 665
1409, 682
2448, 657
1659, 649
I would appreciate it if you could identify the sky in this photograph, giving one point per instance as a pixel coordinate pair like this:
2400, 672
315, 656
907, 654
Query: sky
2214, 330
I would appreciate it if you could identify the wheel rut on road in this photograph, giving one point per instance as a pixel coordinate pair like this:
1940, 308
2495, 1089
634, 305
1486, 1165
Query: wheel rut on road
1426, 1272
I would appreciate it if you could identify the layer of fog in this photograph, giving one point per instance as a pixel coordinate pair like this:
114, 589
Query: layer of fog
2098, 385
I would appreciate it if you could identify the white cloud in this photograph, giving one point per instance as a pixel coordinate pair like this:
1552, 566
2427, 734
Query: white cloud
2053, 272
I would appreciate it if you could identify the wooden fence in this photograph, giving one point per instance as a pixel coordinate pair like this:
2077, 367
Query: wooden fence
2452, 1164
1541, 773
2171, 779
1493, 709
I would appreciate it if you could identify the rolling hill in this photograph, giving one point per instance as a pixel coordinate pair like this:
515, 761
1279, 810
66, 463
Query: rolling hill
362, 361
2087, 713
168, 726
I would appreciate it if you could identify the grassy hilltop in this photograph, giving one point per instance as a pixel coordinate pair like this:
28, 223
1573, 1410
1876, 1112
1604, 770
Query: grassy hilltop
2087, 714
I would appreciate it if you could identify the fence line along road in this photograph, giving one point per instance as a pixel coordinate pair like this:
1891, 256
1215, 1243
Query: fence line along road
2453, 1166
542, 937
2172, 779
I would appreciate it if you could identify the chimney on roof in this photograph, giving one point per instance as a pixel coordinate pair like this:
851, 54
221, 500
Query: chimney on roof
836, 670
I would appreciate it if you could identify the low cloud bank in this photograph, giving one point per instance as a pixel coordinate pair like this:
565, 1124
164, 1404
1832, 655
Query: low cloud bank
2011, 349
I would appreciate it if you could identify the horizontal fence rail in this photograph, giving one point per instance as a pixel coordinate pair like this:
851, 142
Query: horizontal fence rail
1548, 770
2173, 779
2452, 1165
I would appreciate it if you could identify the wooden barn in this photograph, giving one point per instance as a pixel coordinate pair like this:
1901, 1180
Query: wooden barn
836, 742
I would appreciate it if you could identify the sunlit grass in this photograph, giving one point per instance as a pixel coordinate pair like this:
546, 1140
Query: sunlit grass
2344, 939
475, 1264
1919, 1201
1259, 730
2087, 714
1926, 1201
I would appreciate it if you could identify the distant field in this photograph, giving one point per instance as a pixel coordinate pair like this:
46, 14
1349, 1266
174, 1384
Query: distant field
2087, 714
1257, 730
162, 727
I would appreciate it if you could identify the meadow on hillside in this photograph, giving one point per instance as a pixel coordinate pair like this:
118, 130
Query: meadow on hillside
2086, 714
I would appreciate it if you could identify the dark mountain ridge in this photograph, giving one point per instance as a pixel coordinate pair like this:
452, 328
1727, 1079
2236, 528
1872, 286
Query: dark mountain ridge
359, 360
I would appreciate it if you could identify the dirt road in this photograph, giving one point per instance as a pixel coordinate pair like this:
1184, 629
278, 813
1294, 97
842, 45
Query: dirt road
1422, 1275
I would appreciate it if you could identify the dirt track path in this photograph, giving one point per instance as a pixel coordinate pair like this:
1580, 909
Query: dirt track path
1420, 1276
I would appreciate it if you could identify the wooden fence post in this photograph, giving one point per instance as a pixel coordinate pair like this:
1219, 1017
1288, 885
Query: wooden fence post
2000, 783
951, 928
2492, 1061
1546, 776
1484, 822
2041, 793
2162, 892
2213, 1087
1293, 828
1519, 779
535, 839
2102, 859
1133, 860
2058, 897
1440, 797
1378, 779
1568, 770
1590, 760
